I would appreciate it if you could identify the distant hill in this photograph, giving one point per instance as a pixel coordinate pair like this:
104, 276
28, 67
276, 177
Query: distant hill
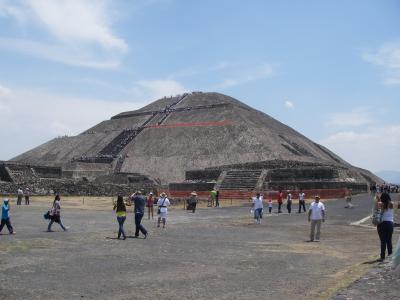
390, 176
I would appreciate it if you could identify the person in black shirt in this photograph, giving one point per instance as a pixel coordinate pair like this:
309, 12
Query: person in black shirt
139, 203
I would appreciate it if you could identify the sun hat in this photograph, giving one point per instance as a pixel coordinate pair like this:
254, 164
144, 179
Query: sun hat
193, 193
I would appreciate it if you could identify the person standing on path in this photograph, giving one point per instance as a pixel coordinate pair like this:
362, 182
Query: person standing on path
316, 215
385, 228
302, 201
192, 202
27, 194
20, 194
120, 210
139, 202
5, 216
270, 205
258, 208
289, 203
162, 204
280, 201
150, 205
213, 195
55, 214
217, 198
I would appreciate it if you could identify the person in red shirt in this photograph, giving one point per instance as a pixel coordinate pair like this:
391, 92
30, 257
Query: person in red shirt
280, 200
150, 205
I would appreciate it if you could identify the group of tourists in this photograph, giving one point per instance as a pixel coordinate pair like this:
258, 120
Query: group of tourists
316, 212
139, 201
383, 216
23, 194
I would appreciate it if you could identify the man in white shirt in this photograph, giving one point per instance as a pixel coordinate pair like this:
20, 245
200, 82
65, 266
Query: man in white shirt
316, 215
302, 201
162, 204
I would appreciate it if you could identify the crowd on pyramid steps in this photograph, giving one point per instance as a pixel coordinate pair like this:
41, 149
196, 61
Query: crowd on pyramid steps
382, 217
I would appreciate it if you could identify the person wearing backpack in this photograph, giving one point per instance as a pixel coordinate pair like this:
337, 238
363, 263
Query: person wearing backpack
385, 227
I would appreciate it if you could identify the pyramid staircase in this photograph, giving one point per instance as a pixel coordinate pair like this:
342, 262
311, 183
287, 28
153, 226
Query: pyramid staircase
240, 180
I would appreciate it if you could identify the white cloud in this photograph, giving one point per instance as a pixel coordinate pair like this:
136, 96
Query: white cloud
245, 75
80, 31
289, 104
155, 89
31, 117
59, 53
374, 148
78, 21
356, 117
387, 57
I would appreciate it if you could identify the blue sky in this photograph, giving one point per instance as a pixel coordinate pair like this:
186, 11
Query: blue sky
329, 69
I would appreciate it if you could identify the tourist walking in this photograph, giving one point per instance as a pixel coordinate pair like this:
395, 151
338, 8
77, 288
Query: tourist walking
162, 211
217, 199
55, 214
258, 207
27, 194
192, 202
5, 216
280, 201
139, 202
270, 205
348, 199
385, 228
150, 205
289, 203
120, 210
20, 194
302, 201
316, 215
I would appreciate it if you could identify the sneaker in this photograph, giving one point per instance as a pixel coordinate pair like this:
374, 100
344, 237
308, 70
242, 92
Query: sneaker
145, 236
13, 232
49, 230
380, 260
317, 240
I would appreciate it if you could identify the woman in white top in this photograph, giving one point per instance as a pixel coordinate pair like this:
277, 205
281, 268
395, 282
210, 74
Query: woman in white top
258, 208
385, 228
162, 204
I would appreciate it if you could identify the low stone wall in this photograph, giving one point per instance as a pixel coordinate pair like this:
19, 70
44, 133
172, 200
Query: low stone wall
76, 188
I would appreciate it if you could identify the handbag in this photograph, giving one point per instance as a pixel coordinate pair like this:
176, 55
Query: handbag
377, 217
46, 216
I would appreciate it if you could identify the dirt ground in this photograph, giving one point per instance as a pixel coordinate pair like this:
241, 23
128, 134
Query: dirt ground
216, 253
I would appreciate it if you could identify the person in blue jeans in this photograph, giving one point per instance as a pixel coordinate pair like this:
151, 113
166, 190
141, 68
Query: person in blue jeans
5, 216
140, 202
258, 208
385, 228
120, 210
55, 214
